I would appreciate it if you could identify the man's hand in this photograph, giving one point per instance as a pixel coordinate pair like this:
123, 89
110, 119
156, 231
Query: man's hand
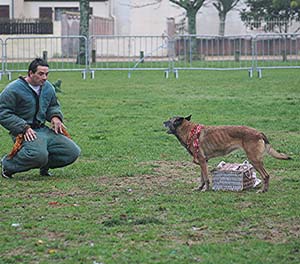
57, 125
30, 134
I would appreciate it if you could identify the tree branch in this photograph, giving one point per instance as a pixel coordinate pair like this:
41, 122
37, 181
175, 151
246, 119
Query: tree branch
154, 2
180, 3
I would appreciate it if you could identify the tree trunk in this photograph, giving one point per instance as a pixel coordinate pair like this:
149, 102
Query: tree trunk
191, 15
222, 20
83, 30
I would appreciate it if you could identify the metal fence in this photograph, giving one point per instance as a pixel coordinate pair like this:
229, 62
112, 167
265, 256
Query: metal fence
2, 58
136, 53
276, 51
62, 53
194, 52
129, 53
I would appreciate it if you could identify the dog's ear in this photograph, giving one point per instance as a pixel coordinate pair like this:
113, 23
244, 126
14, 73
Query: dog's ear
188, 118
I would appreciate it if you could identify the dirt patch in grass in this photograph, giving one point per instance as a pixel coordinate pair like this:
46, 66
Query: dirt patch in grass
165, 174
276, 232
169, 175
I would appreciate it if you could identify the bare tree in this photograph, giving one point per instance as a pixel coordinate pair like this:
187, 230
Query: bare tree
191, 7
223, 7
150, 3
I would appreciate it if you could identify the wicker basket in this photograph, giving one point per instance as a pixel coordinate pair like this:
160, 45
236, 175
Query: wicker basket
233, 176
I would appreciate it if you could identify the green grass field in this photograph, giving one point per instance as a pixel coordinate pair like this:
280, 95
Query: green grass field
129, 198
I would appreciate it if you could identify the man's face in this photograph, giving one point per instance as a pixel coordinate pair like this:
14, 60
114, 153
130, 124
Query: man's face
40, 76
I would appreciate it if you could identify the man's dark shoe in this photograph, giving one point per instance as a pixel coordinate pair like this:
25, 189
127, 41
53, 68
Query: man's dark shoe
4, 173
45, 172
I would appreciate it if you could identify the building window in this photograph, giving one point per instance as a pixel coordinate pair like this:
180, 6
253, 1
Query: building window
58, 11
4, 11
46, 13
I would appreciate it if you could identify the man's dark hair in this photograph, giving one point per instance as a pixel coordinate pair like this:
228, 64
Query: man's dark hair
35, 63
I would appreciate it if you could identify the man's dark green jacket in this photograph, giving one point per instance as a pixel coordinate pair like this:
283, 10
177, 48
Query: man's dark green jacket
21, 107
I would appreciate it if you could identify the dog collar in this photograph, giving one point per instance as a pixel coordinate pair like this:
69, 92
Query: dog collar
194, 139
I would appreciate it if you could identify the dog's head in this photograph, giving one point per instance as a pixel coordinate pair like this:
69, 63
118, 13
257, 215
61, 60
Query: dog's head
173, 123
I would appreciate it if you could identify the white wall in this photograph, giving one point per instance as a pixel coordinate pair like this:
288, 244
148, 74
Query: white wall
140, 17
152, 19
122, 13
208, 22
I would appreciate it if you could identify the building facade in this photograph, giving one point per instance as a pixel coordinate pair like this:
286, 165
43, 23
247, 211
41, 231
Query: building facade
129, 17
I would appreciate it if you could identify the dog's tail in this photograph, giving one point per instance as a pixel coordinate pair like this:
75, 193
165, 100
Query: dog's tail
272, 152
275, 154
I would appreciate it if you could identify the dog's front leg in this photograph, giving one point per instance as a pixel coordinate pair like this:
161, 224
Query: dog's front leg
204, 184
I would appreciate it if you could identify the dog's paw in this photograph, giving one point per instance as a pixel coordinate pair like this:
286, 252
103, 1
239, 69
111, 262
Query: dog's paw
262, 191
201, 189
197, 189
205, 189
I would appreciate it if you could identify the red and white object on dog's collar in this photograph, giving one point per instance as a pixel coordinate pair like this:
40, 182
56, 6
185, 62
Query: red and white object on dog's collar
194, 138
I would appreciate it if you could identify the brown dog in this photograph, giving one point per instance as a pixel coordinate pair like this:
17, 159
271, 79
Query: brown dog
205, 142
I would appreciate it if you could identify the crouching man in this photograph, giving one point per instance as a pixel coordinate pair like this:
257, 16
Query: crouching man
25, 106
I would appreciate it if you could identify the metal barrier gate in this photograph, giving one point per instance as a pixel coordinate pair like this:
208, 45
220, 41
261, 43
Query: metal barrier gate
195, 52
136, 53
2, 58
65, 53
276, 51
129, 53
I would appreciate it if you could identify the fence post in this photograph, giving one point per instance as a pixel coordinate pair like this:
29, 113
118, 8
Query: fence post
167, 74
83, 75
254, 53
93, 56
250, 72
237, 55
92, 74
176, 74
142, 56
45, 55
259, 73
171, 54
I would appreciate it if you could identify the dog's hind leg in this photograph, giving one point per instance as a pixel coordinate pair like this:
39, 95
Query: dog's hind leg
255, 152
259, 166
